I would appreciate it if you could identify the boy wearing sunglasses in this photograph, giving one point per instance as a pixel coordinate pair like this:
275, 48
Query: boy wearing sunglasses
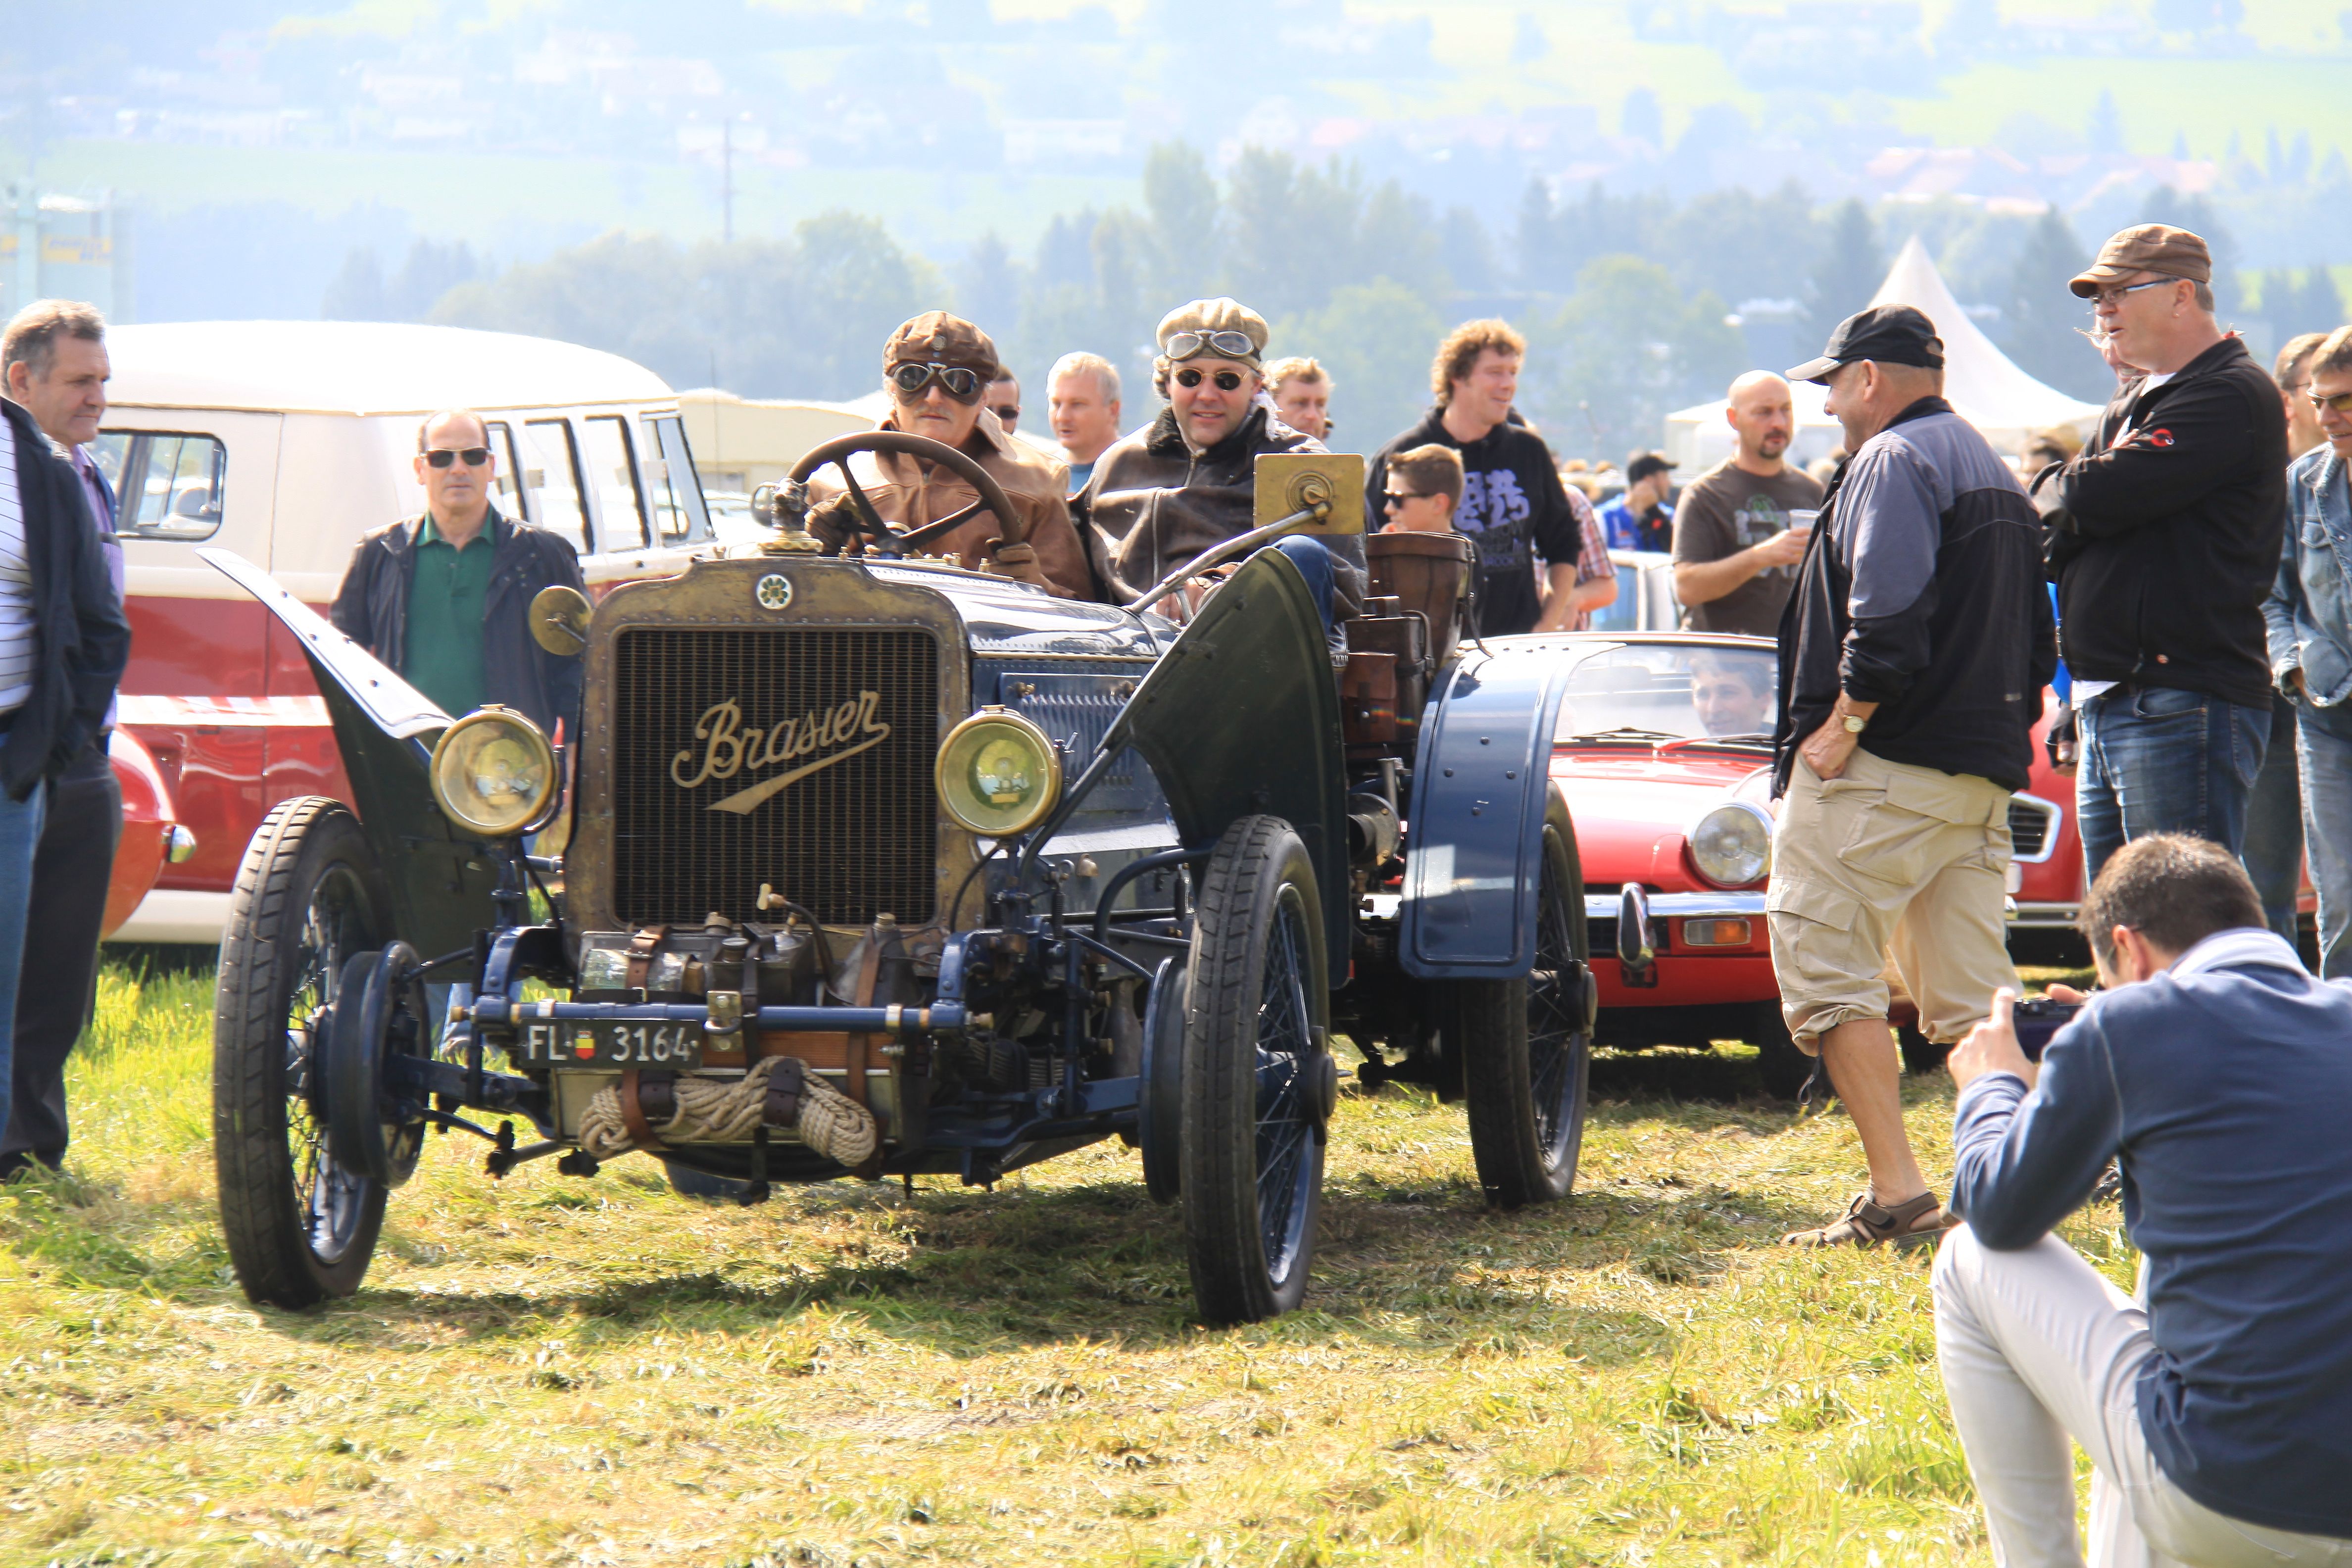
938, 370
444, 597
1187, 482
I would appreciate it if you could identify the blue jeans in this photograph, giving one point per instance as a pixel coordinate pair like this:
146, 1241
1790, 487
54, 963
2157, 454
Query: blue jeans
2327, 760
2273, 853
2158, 759
1314, 562
20, 839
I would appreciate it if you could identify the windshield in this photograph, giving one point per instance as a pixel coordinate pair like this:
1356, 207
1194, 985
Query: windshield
1671, 692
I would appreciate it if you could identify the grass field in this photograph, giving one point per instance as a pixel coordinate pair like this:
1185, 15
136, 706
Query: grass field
601, 1372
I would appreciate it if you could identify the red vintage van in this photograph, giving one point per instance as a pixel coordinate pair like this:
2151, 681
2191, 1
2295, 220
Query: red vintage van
285, 441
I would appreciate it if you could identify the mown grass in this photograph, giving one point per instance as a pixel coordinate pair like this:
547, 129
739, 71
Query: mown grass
554, 1370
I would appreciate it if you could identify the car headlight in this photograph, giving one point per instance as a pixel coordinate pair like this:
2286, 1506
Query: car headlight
997, 775
493, 773
1732, 845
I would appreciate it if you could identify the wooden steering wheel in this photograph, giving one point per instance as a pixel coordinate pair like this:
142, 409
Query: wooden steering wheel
1013, 527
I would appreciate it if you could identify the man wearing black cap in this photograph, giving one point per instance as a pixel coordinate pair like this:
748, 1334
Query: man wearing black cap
1913, 655
2165, 533
1641, 519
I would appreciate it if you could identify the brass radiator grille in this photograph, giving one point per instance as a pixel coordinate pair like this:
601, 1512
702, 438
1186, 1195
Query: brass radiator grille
707, 723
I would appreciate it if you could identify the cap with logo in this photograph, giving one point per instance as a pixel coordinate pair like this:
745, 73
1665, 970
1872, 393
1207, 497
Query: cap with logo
2157, 247
936, 337
1885, 334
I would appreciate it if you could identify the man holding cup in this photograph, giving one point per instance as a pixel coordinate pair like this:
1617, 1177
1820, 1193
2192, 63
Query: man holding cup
1742, 525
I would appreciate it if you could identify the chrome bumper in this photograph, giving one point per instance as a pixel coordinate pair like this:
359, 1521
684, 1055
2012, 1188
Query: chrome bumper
1680, 906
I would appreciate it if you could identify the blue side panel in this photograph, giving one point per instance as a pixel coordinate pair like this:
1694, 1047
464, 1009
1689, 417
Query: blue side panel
1474, 832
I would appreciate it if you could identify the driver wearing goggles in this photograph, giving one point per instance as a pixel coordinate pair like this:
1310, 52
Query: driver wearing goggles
1161, 497
937, 369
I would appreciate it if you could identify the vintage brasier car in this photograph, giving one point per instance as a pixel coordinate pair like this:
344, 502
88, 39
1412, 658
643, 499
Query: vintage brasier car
879, 866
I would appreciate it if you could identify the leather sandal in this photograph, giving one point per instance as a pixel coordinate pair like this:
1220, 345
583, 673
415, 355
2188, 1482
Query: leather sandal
1867, 1223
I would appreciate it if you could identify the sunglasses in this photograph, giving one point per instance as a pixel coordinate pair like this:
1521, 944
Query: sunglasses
1190, 345
2341, 403
472, 456
1226, 380
1398, 498
963, 386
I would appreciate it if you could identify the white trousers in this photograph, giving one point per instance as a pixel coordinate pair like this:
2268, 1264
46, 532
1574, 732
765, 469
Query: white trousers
2038, 1348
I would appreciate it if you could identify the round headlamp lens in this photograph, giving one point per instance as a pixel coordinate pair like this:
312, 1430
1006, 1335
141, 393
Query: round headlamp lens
493, 773
1732, 845
997, 775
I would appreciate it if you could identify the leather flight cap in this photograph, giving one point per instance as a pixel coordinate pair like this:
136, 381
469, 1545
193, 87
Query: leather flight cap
1887, 334
2157, 247
936, 337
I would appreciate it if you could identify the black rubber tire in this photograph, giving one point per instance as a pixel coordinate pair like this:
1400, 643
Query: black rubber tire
1526, 1047
1260, 1004
309, 897
689, 1182
1784, 1068
1920, 1055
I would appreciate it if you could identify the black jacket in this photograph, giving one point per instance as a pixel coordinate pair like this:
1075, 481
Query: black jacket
1921, 591
84, 641
2164, 541
371, 609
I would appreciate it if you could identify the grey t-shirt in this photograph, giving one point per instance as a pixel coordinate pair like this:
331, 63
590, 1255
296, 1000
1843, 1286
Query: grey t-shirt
1724, 511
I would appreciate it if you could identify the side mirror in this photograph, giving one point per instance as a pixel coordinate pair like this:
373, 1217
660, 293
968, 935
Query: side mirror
559, 619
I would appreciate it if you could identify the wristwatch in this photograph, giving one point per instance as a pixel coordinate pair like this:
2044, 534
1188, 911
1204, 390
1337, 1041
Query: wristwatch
1855, 723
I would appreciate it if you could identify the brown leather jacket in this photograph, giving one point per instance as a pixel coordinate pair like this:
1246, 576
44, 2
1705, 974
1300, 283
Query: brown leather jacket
1154, 504
913, 495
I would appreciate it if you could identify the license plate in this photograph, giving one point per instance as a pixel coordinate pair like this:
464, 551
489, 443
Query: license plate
612, 1043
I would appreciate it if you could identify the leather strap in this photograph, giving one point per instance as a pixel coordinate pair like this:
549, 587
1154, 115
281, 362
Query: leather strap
868, 967
633, 1107
642, 947
781, 1108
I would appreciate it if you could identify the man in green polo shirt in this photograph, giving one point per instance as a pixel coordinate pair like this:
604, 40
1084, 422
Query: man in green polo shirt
444, 597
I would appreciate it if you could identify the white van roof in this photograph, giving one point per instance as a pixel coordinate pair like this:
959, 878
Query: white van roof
360, 367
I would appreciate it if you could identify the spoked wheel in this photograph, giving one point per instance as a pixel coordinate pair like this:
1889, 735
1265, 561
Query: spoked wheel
1258, 1079
300, 1225
1525, 1044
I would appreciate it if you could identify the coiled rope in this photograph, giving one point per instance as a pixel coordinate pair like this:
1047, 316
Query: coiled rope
728, 1111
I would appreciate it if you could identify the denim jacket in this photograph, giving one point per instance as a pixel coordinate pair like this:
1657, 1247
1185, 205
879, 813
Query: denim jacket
2310, 607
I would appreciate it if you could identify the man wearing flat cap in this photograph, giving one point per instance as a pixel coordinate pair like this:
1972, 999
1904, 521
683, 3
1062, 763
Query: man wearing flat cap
1913, 656
937, 369
2164, 534
1186, 482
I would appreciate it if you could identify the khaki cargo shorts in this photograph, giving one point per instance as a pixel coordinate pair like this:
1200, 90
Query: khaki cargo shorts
1889, 860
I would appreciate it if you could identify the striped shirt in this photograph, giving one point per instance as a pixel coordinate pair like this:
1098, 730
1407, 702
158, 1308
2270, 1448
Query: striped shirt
19, 645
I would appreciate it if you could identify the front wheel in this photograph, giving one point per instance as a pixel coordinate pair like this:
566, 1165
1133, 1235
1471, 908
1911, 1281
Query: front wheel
1258, 1079
1525, 1044
300, 1223
1782, 1066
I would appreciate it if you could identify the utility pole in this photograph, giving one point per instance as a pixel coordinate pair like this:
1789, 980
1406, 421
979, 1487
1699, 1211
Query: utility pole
726, 179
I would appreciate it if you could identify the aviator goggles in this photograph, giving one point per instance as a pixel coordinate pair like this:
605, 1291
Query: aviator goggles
1226, 380
962, 385
1192, 346
472, 456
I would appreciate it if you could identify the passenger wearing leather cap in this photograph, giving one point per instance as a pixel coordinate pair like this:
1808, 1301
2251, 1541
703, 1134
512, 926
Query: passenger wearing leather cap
937, 369
1186, 482
1913, 656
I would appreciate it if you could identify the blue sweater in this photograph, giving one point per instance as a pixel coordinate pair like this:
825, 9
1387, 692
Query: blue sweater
2225, 1087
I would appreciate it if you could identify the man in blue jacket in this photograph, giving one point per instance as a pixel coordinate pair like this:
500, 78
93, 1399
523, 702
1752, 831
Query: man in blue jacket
2217, 1412
2310, 616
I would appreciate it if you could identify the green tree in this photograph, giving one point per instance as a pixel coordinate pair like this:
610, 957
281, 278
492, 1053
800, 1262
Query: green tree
2038, 314
1180, 202
2197, 215
1851, 268
1375, 339
1744, 245
1627, 349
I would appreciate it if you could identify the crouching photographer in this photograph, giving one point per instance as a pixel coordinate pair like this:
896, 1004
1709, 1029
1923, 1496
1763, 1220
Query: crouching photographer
2219, 1412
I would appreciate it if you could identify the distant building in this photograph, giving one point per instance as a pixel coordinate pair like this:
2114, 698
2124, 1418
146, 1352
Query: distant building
63, 248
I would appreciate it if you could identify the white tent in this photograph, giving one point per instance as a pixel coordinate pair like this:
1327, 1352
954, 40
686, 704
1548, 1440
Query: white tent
1982, 382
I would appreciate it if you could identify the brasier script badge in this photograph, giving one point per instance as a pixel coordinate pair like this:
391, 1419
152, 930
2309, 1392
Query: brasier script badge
728, 749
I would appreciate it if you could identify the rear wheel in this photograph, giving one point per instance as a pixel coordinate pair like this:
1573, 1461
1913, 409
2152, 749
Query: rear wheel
300, 1225
1525, 1044
1258, 1079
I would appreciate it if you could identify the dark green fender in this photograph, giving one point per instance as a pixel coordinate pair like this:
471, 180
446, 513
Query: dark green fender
1241, 716
384, 728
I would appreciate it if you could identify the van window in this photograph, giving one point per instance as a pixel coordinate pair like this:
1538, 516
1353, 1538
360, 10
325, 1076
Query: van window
612, 470
677, 495
167, 485
506, 484
552, 474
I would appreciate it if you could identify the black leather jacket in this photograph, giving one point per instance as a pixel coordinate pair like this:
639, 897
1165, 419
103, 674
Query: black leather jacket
371, 609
